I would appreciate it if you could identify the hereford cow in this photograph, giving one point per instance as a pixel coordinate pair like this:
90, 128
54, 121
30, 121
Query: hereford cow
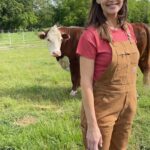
63, 42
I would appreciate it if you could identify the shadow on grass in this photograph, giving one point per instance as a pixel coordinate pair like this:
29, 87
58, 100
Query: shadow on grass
39, 93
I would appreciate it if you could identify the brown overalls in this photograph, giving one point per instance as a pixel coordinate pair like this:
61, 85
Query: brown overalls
115, 97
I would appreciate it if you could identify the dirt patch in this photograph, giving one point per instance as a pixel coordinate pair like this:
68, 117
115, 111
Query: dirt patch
44, 107
26, 121
49, 108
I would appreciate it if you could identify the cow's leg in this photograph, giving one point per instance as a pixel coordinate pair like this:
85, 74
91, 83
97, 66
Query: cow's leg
146, 79
75, 75
145, 69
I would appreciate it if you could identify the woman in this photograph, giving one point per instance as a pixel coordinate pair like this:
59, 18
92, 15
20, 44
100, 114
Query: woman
108, 63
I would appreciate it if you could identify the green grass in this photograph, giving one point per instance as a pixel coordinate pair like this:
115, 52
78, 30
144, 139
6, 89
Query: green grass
140, 137
36, 111
34, 85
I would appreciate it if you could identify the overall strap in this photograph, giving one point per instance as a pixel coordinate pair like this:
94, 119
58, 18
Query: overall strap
127, 31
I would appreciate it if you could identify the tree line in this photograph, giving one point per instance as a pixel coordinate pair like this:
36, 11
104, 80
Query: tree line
36, 14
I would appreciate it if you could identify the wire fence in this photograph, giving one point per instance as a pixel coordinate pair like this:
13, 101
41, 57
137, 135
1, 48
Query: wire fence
20, 39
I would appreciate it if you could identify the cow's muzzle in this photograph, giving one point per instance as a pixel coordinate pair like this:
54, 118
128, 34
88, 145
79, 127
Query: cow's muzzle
56, 53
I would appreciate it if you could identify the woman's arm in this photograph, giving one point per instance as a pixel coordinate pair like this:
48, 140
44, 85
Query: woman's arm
93, 133
86, 71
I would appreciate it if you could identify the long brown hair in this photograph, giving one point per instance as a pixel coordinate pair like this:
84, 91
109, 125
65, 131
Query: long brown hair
98, 19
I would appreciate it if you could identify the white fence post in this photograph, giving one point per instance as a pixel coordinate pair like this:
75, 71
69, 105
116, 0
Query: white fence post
10, 40
23, 37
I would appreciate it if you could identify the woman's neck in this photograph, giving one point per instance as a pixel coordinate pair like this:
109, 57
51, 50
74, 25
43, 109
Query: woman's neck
112, 22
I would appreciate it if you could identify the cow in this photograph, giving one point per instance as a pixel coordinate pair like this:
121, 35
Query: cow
63, 43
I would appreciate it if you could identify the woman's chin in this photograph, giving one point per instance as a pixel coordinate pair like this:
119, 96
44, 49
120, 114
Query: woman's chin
112, 13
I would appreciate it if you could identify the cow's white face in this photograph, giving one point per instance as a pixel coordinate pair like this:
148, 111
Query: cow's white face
54, 39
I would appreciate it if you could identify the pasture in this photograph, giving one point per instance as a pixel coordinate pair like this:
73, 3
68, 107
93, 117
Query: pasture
36, 111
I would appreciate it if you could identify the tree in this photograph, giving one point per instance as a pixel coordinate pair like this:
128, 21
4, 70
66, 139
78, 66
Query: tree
15, 14
44, 10
71, 12
139, 11
28, 17
10, 11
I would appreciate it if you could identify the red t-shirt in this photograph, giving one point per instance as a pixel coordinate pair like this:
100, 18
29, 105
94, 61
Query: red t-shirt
93, 47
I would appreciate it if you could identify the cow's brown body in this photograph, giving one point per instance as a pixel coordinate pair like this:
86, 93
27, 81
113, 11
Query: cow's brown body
69, 46
142, 33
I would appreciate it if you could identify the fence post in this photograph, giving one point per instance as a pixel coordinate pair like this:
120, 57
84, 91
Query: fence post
23, 37
9, 36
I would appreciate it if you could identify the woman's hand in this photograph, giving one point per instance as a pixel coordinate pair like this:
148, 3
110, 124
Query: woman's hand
94, 138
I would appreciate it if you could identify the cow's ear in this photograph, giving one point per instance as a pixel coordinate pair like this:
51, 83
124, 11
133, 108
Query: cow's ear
42, 35
65, 36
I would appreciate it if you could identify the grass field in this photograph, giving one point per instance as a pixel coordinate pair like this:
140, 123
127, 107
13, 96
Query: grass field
36, 111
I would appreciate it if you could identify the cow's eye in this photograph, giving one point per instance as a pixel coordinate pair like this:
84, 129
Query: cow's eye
48, 40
